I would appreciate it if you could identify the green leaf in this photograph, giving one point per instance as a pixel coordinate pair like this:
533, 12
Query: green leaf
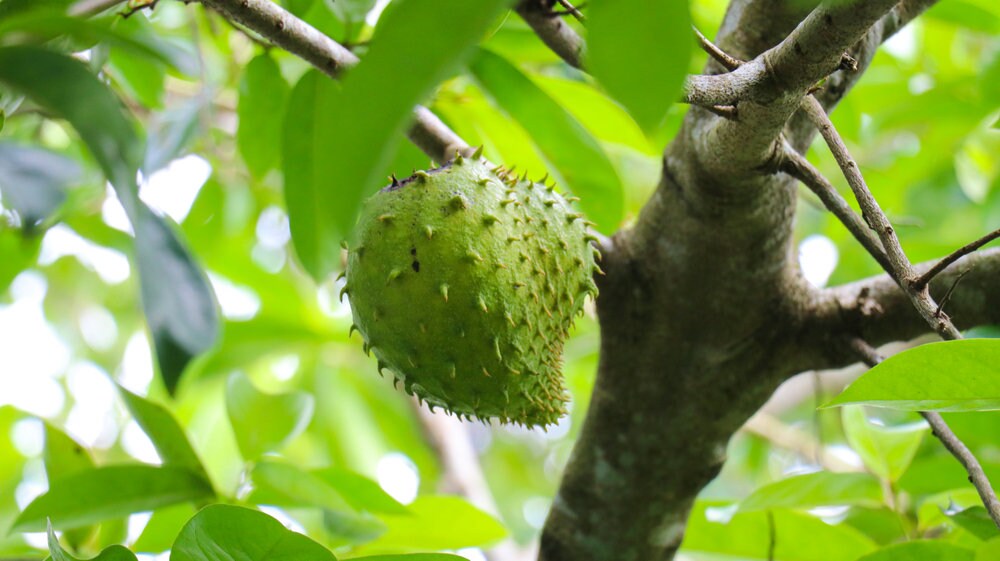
143, 80
309, 128
977, 522
325, 183
639, 51
989, 551
102, 493
163, 430
411, 557
566, 144
966, 14
263, 94
921, 550
265, 422
34, 180
360, 492
886, 451
439, 522
169, 132
176, 297
63, 455
163, 528
959, 375
812, 490
746, 536
226, 533
352, 528
281, 484
112, 553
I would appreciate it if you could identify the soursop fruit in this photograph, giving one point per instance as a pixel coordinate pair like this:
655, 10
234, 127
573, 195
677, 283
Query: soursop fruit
464, 281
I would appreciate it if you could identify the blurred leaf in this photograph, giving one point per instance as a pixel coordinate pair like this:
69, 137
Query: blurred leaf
353, 528
984, 332
883, 525
946, 376
43, 24
19, 252
171, 131
97, 494
922, 550
163, 430
439, 522
574, 154
263, 93
163, 528
141, 79
966, 14
411, 557
309, 128
798, 537
112, 553
817, 489
886, 451
281, 484
224, 533
360, 492
34, 180
64, 456
264, 422
9, 8
639, 51
977, 522
179, 305
325, 182
352, 13
989, 551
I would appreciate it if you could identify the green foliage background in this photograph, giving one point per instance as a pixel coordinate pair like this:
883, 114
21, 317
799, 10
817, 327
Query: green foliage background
285, 411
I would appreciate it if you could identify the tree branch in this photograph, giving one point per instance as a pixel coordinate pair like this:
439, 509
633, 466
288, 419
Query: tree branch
878, 311
904, 12
900, 269
461, 470
943, 264
949, 439
285, 30
558, 35
798, 167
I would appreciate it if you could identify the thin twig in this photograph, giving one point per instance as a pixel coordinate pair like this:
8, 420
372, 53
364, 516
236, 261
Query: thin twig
901, 269
943, 264
951, 290
462, 473
557, 35
948, 438
285, 30
798, 166
720, 56
571, 9
791, 438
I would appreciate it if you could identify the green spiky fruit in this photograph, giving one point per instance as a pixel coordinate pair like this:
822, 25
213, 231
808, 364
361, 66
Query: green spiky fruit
464, 282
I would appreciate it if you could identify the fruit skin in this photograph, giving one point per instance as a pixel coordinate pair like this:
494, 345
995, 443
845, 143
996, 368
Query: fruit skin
464, 281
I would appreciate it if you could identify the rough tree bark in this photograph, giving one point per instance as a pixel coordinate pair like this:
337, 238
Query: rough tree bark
703, 311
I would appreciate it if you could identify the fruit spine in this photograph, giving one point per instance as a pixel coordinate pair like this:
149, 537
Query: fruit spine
464, 281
